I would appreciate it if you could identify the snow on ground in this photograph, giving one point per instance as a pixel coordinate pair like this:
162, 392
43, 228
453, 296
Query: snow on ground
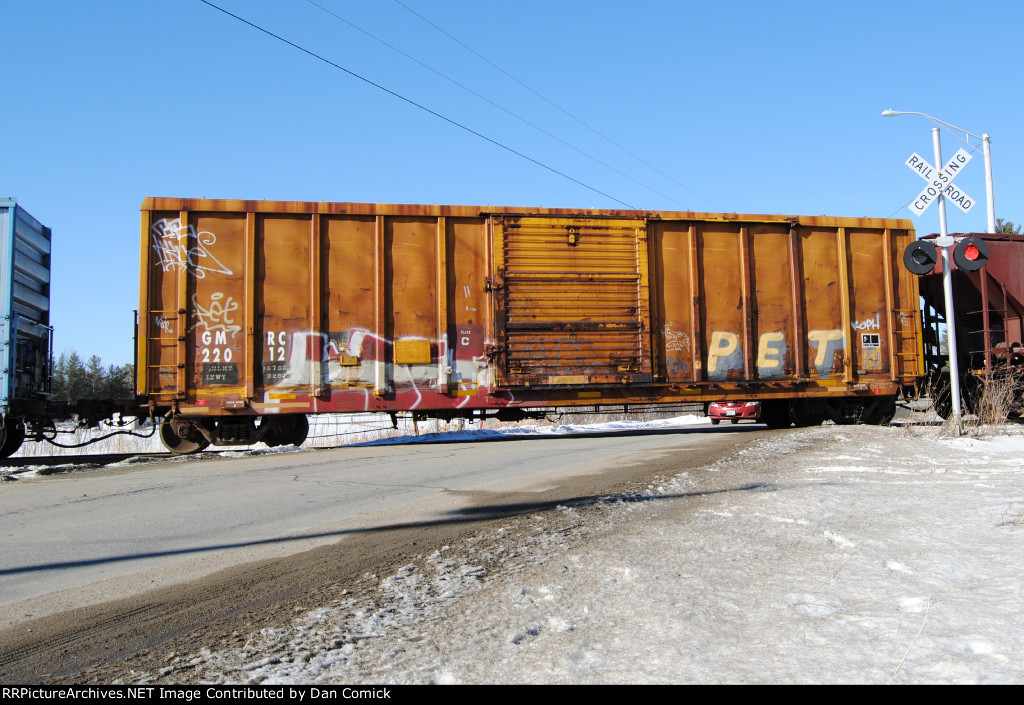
834, 554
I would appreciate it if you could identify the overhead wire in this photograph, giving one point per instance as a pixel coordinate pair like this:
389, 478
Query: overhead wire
422, 107
559, 107
907, 205
493, 103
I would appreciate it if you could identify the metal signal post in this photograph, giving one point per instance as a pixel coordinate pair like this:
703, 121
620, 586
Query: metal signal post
972, 256
945, 242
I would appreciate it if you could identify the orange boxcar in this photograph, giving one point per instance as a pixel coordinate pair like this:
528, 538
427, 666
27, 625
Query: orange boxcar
256, 313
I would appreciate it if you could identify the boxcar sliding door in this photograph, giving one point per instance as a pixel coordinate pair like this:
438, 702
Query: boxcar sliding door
571, 301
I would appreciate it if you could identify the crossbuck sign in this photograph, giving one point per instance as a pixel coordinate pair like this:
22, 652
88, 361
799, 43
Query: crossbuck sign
940, 182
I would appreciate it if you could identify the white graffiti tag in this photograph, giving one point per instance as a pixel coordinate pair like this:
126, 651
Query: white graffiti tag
675, 341
216, 316
171, 242
164, 324
869, 323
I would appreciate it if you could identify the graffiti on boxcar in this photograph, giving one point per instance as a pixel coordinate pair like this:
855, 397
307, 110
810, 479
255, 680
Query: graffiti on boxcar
771, 351
869, 323
677, 366
217, 315
179, 247
215, 351
560, 356
675, 340
468, 295
827, 343
164, 324
358, 358
725, 354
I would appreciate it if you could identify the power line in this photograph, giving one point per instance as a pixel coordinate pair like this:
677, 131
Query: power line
907, 205
492, 103
559, 107
418, 105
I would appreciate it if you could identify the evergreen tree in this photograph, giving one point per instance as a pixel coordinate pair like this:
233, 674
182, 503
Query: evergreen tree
120, 382
95, 378
77, 384
59, 378
73, 380
1007, 226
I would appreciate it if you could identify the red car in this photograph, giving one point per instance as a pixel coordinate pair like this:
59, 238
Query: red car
734, 411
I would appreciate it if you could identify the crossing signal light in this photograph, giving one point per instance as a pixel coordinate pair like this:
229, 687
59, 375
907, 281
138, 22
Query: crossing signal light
921, 256
971, 254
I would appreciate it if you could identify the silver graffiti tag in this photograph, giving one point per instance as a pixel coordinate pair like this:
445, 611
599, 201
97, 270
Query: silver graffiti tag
171, 240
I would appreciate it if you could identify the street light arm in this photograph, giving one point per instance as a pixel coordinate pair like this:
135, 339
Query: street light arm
986, 149
893, 113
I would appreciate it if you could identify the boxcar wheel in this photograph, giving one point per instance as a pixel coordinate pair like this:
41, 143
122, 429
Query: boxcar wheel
179, 445
290, 430
300, 430
12, 435
803, 414
880, 412
775, 414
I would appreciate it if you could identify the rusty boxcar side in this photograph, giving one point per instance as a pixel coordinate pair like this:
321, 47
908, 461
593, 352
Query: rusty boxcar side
255, 313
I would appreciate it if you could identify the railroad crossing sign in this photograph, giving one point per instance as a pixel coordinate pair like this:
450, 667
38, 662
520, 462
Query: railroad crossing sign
940, 182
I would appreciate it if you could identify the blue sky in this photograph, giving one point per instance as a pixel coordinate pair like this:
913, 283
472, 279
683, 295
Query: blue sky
753, 107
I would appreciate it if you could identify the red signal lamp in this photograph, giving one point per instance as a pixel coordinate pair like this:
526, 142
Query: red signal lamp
971, 254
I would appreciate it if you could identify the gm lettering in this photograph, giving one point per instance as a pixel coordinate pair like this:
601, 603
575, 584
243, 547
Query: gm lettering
215, 346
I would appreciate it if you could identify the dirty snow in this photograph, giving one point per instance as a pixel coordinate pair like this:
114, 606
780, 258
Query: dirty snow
832, 554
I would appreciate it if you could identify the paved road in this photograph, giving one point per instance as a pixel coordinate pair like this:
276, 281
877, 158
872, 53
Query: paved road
150, 525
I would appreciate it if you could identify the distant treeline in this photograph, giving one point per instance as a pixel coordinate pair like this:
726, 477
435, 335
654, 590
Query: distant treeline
74, 380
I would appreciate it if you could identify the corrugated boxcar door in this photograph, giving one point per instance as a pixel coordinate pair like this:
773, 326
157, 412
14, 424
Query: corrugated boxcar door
573, 302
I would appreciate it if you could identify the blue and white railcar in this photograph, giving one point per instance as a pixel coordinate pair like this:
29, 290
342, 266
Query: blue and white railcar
25, 332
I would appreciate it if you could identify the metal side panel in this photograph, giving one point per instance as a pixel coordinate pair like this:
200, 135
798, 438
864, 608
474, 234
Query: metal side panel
5, 356
7, 216
24, 305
